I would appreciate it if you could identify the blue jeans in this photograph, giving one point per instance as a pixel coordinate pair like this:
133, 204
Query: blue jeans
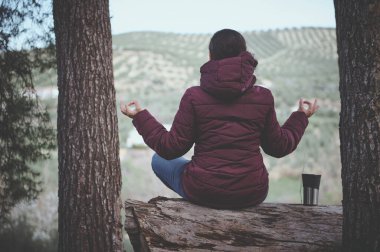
170, 172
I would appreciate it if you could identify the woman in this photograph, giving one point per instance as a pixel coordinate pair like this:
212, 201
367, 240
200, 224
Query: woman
228, 118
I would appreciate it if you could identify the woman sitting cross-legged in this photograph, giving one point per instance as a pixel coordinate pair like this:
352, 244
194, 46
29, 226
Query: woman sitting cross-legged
228, 118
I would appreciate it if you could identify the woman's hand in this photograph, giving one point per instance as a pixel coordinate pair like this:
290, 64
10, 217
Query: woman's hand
131, 109
310, 109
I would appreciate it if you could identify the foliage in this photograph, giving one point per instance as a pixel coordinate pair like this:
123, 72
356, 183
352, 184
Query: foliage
26, 134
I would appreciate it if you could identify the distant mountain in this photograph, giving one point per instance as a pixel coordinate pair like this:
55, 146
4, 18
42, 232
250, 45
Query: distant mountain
154, 61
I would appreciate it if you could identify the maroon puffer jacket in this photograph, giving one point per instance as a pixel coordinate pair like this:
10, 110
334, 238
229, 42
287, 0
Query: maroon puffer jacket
227, 118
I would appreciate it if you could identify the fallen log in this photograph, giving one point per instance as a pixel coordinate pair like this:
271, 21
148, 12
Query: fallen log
176, 225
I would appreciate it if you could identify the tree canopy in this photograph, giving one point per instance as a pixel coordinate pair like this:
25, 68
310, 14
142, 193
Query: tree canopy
26, 134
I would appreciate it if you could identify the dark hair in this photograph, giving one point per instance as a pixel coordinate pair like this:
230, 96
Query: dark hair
226, 43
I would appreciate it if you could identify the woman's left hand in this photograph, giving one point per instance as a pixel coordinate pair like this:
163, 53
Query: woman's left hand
131, 109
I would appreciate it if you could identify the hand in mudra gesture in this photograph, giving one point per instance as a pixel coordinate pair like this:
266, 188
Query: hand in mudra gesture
130, 109
310, 109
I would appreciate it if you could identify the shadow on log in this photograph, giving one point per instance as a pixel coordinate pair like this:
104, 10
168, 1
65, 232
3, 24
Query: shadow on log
176, 225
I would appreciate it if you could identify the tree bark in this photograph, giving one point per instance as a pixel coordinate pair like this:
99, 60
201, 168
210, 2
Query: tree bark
88, 143
177, 225
358, 38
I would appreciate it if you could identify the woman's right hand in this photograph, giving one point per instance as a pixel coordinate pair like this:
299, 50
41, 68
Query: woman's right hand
311, 107
130, 109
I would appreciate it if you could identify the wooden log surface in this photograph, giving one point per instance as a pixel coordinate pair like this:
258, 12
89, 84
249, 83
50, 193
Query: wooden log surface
176, 225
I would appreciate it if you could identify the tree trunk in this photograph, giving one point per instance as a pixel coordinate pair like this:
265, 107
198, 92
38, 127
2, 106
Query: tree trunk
88, 143
358, 37
177, 225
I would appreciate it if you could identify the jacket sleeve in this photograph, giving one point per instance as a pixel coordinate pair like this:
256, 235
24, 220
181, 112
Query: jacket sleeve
168, 144
280, 141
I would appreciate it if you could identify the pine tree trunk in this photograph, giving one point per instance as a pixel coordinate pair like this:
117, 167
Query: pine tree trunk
358, 37
88, 144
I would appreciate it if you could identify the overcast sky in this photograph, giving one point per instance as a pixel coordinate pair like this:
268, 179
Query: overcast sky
208, 16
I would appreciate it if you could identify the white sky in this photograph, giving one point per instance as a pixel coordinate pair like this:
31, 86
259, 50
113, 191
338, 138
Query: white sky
208, 16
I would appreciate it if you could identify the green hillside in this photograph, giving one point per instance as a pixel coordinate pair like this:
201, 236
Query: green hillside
156, 68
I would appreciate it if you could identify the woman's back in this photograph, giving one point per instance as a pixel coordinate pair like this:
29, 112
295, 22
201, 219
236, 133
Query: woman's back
227, 169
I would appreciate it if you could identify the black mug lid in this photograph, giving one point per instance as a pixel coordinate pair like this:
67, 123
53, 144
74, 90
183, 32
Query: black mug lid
311, 180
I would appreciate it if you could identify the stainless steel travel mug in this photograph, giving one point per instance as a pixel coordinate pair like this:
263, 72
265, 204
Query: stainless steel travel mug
311, 184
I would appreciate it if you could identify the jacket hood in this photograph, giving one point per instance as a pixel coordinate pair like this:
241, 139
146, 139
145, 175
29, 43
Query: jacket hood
229, 78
